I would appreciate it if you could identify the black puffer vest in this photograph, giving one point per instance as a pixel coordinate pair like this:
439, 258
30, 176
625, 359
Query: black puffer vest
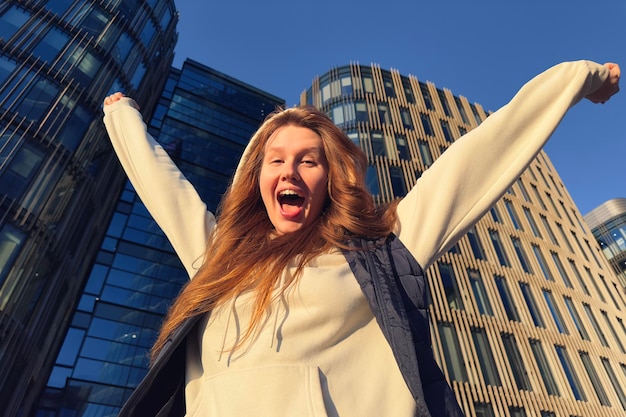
395, 287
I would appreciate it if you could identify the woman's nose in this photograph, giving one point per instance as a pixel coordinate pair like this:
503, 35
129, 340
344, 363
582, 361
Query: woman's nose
290, 172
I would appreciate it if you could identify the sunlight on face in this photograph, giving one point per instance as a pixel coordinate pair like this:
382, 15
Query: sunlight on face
293, 178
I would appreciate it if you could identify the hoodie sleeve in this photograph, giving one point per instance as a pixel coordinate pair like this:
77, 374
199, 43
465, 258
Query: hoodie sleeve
474, 172
169, 197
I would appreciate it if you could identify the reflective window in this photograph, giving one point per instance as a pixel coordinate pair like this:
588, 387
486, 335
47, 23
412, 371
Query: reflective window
407, 120
521, 255
513, 214
403, 148
518, 367
371, 179
495, 214
595, 380
485, 357
398, 183
480, 293
554, 310
561, 269
595, 325
20, 171
426, 123
576, 318
444, 102
570, 373
452, 352
531, 222
50, 45
459, 105
11, 239
542, 263
450, 287
424, 148
426, 95
477, 247
447, 133
379, 145
497, 245
614, 381
13, 19
579, 278
531, 304
544, 367
507, 300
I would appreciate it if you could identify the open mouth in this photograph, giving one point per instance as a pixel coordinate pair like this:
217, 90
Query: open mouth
291, 198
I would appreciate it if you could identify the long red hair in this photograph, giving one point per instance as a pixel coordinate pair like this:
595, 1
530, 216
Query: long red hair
243, 254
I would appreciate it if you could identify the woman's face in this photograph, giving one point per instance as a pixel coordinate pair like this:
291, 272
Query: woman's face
294, 177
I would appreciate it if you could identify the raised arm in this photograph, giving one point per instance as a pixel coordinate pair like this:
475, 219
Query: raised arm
171, 200
464, 182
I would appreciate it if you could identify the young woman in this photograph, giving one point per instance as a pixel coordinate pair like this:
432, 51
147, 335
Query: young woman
306, 298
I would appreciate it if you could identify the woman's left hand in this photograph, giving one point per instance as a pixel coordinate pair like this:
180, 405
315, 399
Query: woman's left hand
609, 87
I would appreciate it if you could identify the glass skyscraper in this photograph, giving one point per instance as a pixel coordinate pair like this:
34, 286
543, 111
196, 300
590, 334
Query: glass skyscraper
527, 316
608, 225
59, 179
203, 119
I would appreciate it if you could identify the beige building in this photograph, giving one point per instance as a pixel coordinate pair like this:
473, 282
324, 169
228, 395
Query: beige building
527, 318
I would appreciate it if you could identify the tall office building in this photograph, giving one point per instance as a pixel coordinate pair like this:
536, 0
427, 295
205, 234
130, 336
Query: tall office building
203, 119
527, 318
608, 224
59, 179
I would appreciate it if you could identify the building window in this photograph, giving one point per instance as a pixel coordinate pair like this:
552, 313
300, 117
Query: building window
595, 284
459, 105
556, 314
522, 188
542, 263
405, 115
485, 357
546, 226
544, 368
579, 278
612, 330
570, 374
569, 304
480, 294
21, 170
497, 245
383, 114
452, 352
564, 237
561, 269
512, 214
614, 381
531, 222
518, 367
507, 300
428, 101
448, 280
541, 203
379, 146
595, 325
495, 214
371, 179
403, 148
444, 102
11, 239
426, 123
517, 412
447, 133
397, 182
595, 380
477, 247
408, 90
427, 157
532, 305
521, 255
483, 410
476, 114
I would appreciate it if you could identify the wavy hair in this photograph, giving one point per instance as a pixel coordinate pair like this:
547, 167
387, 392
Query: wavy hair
244, 254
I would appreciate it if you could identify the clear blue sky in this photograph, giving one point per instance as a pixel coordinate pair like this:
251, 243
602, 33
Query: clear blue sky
481, 49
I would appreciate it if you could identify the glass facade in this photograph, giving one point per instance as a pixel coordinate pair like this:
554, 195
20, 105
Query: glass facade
59, 179
204, 120
608, 225
523, 302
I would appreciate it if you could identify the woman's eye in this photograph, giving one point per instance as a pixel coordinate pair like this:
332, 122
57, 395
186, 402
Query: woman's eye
308, 162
